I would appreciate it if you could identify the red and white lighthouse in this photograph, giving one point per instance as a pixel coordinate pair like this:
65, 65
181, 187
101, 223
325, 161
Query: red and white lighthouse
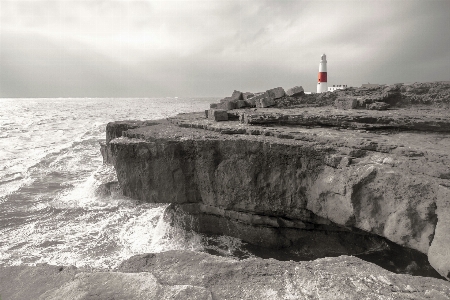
322, 85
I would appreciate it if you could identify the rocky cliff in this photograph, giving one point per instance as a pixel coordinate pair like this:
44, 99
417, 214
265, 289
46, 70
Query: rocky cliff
323, 180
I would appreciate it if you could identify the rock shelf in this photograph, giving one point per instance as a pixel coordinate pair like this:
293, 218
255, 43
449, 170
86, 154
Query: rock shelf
287, 177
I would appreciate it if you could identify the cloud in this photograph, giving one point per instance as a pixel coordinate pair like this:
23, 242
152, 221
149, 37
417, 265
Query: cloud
207, 48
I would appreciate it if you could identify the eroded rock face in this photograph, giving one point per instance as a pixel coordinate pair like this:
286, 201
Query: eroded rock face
277, 176
282, 184
191, 275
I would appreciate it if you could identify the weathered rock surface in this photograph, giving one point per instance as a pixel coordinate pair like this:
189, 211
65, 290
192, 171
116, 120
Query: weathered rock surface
280, 177
295, 91
399, 95
345, 103
191, 275
276, 93
218, 115
378, 106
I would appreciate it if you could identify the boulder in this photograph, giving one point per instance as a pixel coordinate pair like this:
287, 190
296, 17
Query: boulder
266, 102
237, 95
218, 115
241, 103
247, 95
213, 105
295, 91
378, 106
251, 101
345, 103
276, 93
227, 105
226, 99
263, 100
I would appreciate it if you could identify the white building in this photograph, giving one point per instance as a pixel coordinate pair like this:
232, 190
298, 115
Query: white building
337, 87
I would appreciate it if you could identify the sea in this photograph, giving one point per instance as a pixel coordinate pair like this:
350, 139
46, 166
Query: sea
51, 171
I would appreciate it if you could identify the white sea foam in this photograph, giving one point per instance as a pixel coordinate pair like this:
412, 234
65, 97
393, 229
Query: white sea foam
50, 171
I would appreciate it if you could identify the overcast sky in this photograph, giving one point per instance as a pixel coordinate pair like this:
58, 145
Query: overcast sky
209, 48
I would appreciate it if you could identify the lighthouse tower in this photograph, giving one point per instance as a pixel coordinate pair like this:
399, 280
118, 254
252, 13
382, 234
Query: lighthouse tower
322, 85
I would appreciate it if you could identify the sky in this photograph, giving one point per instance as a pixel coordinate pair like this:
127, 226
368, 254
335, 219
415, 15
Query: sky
188, 48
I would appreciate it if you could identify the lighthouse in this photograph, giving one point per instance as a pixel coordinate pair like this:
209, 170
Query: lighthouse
322, 85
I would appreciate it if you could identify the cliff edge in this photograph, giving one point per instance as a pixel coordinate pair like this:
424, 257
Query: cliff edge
335, 178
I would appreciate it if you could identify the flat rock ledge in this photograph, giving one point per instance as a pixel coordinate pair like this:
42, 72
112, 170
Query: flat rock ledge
191, 275
280, 177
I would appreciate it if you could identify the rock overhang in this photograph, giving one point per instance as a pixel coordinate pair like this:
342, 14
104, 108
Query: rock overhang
367, 177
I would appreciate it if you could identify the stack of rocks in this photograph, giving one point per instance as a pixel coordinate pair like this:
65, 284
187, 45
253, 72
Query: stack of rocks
238, 100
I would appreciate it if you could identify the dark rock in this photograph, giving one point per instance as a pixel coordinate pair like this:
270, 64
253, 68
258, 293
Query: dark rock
218, 115
237, 95
227, 105
213, 105
240, 104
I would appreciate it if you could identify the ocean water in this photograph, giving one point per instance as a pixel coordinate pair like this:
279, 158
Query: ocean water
50, 171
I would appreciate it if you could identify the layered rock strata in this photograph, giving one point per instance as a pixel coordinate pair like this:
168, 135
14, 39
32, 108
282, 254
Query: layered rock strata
283, 186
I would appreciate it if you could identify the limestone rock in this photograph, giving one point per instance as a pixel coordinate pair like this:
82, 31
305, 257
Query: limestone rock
252, 100
345, 103
378, 106
193, 275
227, 99
227, 105
240, 104
237, 95
262, 100
265, 102
275, 93
327, 180
439, 252
247, 95
218, 115
295, 91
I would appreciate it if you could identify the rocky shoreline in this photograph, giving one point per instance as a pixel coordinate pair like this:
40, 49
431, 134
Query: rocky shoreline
284, 177
191, 275
352, 172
